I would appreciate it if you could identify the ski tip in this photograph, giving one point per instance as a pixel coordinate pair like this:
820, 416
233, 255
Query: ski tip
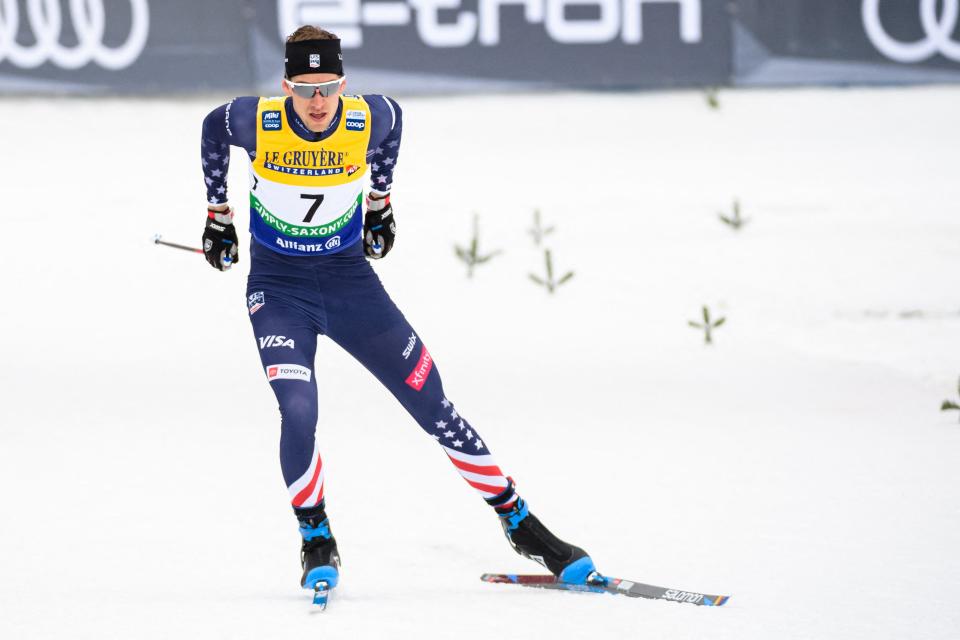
321, 594
715, 601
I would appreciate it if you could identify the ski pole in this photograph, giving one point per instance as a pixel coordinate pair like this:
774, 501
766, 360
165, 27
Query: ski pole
157, 240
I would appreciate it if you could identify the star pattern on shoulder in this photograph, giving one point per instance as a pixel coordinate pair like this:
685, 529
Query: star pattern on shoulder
478, 444
441, 424
469, 434
453, 414
458, 443
446, 403
462, 426
448, 434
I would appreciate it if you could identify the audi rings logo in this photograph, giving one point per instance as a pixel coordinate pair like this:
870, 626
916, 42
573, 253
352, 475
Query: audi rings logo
45, 18
938, 31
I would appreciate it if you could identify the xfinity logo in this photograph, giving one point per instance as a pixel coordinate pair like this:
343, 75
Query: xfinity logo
440, 24
938, 31
266, 342
418, 377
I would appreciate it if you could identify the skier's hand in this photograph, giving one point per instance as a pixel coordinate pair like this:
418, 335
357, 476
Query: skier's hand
379, 228
220, 244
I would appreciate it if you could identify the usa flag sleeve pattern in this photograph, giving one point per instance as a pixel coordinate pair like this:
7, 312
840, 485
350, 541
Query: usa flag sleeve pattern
307, 490
386, 122
470, 456
234, 124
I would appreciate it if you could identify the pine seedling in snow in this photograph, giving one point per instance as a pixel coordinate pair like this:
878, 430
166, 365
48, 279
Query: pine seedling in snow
712, 96
734, 221
538, 231
707, 325
548, 282
950, 405
471, 256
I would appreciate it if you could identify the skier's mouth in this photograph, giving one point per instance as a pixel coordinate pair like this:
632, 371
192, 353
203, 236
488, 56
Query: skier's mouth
317, 116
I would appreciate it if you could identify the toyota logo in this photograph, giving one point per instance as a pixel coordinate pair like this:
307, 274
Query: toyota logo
46, 19
937, 38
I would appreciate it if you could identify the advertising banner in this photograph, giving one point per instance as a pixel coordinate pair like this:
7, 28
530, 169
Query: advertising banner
845, 42
160, 47
122, 46
543, 43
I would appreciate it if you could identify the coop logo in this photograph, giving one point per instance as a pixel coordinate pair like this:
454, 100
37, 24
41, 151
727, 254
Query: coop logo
356, 120
418, 377
938, 32
288, 372
45, 21
271, 121
440, 23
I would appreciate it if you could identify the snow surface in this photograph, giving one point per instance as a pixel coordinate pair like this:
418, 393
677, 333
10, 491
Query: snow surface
800, 464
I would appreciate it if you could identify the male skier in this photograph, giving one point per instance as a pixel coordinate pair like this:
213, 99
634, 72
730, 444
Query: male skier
309, 152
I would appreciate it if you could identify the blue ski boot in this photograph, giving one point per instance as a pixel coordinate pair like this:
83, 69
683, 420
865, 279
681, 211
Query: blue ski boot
532, 540
318, 555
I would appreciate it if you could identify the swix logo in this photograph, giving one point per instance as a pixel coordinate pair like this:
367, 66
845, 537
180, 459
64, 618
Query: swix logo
87, 16
410, 344
288, 372
418, 376
266, 342
683, 596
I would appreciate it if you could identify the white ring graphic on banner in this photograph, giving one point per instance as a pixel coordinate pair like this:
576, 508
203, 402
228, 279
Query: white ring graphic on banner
939, 32
88, 16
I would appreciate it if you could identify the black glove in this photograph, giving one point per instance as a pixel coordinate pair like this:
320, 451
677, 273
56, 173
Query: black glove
220, 244
379, 228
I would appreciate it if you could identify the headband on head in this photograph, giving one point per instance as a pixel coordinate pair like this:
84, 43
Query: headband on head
313, 56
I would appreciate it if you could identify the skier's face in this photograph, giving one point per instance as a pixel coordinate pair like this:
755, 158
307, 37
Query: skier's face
315, 112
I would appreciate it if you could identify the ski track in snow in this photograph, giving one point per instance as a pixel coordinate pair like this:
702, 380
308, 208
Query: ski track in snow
799, 464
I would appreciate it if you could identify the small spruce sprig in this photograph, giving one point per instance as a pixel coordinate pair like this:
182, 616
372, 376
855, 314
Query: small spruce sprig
712, 96
735, 221
707, 325
950, 405
538, 231
472, 256
548, 282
